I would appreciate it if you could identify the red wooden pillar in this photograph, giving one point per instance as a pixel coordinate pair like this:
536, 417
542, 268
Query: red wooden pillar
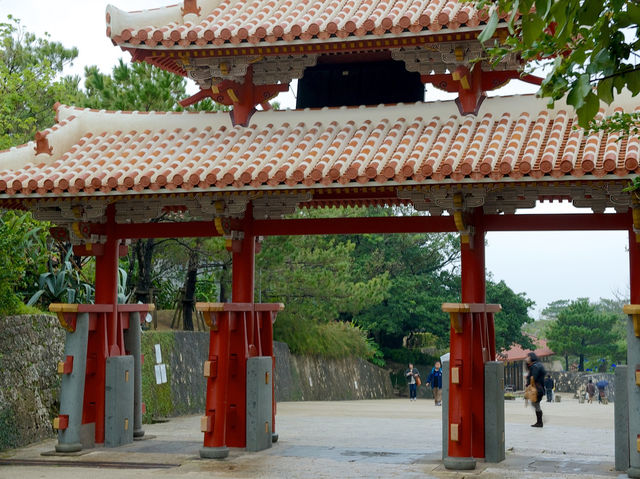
242, 292
214, 423
466, 387
634, 268
105, 341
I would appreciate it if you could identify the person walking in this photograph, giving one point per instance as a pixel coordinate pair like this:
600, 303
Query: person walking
413, 379
548, 386
591, 391
537, 373
435, 381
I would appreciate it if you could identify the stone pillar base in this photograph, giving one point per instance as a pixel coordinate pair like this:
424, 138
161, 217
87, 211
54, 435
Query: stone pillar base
138, 433
460, 463
633, 472
214, 452
71, 447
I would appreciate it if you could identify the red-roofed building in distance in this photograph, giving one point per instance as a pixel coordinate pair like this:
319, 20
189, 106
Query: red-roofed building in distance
515, 369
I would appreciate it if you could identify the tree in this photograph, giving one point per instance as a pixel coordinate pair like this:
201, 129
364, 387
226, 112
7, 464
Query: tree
31, 82
582, 331
514, 314
421, 279
588, 49
553, 309
138, 86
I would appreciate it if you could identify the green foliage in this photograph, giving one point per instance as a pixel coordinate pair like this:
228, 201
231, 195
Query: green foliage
587, 47
405, 356
157, 397
514, 314
31, 82
314, 277
333, 339
554, 308
64, 283
136, 86
582, 331
141, 87
420, 277
22, 256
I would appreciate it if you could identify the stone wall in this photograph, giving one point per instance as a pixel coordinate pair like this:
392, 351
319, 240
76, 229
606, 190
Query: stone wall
570, 381
30, 348
305, 378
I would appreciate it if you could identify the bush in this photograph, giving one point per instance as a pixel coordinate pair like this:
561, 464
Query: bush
332, 340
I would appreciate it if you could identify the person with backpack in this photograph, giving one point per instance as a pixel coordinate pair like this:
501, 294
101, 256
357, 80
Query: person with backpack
435, 381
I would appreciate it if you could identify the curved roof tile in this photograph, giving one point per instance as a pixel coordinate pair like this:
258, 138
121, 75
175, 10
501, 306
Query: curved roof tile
236, 21
119, 152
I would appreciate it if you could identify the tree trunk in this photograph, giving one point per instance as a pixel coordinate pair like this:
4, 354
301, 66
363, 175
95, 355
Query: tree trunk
190, 289
144, 254
223, 290
581, 364
566, 362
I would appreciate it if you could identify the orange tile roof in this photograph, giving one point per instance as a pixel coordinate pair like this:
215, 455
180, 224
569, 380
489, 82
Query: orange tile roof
218, 22
516, 353
512, 138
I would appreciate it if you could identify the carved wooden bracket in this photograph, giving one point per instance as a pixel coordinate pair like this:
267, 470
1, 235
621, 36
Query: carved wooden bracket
244, 97
471, 84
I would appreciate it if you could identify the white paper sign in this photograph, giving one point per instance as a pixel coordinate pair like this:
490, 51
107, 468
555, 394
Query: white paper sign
158, 354
163, 372
158, 374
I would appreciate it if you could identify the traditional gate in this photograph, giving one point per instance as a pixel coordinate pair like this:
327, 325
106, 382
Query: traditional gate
101, 176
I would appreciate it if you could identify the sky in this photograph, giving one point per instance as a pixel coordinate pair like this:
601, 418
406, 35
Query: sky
544, 266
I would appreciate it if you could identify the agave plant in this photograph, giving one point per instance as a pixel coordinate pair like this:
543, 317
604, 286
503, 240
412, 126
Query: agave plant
65, 285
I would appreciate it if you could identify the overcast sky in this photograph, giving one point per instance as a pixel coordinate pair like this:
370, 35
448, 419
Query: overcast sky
546, 266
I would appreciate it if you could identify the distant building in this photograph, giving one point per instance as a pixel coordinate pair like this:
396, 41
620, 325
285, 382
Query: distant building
515, 369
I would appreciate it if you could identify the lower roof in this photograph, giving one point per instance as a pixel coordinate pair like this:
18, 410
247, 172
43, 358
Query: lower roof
90, 152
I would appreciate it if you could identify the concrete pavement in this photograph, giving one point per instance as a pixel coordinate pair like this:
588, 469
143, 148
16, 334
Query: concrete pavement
351, 439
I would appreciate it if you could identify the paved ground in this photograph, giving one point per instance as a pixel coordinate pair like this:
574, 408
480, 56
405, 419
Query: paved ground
353, 439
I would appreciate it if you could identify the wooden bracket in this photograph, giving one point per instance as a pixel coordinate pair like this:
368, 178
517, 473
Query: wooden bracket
244, 97
633, 310
206, 424
67, 315
61, 422
66, 366
455, 311
465, 229
211, 369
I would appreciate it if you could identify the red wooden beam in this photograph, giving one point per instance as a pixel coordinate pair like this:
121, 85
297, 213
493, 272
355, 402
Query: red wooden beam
328, 226
398, 224
559, 222
190, 229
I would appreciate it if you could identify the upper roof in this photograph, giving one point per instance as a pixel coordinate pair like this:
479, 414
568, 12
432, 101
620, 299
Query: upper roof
212, 23
512, 138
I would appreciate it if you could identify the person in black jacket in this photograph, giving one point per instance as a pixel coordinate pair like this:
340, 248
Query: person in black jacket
537, 372
548, 385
